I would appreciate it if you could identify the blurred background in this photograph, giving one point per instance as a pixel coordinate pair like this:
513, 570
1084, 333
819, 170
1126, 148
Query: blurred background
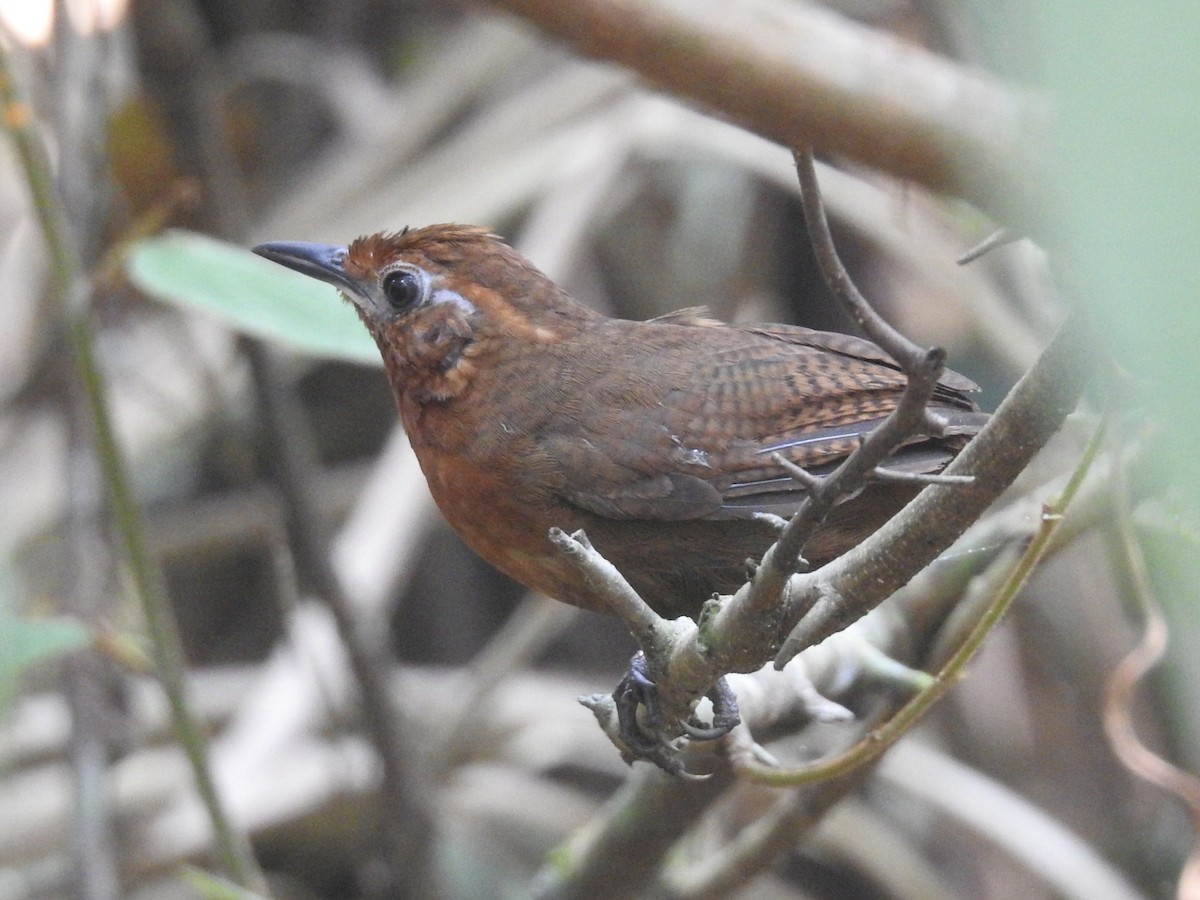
271, 478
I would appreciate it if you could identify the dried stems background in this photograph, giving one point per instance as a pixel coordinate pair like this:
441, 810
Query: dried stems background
386, 716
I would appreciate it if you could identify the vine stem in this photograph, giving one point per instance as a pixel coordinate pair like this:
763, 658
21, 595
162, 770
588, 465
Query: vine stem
70, 290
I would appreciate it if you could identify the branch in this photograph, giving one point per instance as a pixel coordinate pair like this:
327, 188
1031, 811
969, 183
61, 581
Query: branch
798, 75
644, 820
922, 368
840, 668
1002, 581
403, 818
760, 844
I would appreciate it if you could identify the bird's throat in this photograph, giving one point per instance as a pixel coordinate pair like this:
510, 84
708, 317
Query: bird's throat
428, 361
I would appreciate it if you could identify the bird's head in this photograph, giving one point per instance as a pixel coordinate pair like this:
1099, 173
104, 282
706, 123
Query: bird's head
437, 298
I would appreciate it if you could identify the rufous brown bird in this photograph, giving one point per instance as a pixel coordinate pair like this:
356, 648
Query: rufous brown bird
528, 410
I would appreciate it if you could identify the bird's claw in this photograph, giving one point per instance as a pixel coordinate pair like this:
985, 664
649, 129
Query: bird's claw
637, 689
726, 716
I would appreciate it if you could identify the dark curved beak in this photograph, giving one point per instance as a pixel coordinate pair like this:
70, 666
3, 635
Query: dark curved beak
321, 261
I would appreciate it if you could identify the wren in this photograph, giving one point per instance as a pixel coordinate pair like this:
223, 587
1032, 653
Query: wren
528, 410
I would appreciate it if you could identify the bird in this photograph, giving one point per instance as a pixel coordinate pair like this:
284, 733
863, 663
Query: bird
529, 411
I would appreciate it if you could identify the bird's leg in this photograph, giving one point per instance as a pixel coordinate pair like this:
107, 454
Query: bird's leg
634, 690
637, 688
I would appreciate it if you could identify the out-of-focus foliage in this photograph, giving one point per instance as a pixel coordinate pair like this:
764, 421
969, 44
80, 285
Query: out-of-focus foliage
27, 640
1127, 195
250, 294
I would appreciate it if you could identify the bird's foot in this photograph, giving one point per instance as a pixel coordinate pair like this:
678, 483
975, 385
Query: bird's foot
637, 689
725, 714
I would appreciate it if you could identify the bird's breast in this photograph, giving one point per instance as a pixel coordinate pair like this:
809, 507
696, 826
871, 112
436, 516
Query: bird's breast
504, 514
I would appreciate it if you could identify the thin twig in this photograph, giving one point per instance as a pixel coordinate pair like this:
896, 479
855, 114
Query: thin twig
70, 290
609, 585
907, 354
994, 240
732, 638
885, 474
863, 577
91, 683
89, 677
922, 367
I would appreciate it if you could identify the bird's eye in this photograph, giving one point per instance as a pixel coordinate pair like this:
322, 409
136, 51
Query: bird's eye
402, 289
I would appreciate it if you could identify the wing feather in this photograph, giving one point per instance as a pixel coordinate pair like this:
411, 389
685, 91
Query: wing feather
693, 438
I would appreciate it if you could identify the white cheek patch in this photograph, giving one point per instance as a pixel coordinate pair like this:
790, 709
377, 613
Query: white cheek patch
447, 296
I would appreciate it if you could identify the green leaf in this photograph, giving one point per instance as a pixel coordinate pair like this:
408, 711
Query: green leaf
250, 294
26, 641
211, 887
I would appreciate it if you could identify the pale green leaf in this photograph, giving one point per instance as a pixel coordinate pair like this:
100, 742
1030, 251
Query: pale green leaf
250, 294
26, 641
